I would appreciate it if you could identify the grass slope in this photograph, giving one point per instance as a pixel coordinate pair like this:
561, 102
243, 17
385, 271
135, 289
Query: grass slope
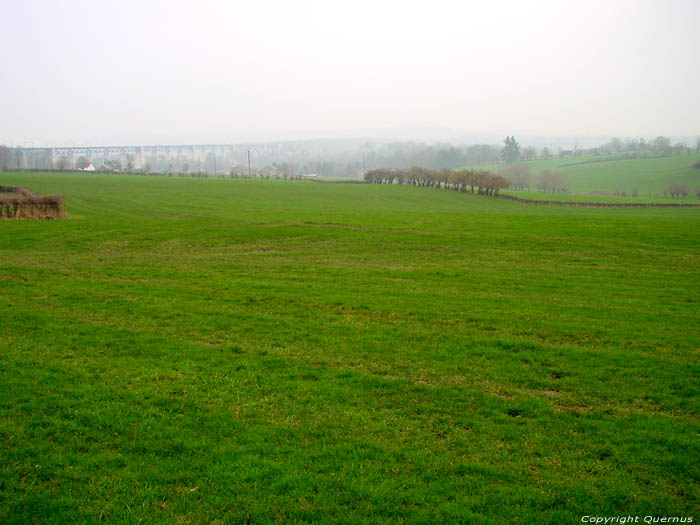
582, 197
647, 175
221, 351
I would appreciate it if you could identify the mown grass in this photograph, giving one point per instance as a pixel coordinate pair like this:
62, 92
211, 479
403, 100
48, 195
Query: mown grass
222, 351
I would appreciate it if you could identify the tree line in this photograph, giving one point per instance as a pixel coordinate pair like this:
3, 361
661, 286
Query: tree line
482, 182
677, 190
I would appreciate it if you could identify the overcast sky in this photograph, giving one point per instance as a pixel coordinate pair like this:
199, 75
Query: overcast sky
125, 72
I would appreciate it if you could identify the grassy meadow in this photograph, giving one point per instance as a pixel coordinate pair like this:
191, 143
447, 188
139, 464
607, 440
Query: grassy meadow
223, 351
649, 176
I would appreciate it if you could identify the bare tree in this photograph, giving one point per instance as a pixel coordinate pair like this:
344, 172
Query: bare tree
676, 190
662, 145
518, 174
458, 180
63, 163
5, 157
529, 153
550, 181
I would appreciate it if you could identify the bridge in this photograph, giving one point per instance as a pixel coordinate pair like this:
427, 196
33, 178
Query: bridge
135, 155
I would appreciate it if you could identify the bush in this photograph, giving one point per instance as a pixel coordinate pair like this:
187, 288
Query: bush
20, 203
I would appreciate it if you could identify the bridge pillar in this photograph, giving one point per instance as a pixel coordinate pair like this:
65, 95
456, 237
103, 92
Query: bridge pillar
138, 158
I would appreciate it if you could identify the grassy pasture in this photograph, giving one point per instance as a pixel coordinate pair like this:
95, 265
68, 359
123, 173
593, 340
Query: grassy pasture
226, 351
569, 197
648, 175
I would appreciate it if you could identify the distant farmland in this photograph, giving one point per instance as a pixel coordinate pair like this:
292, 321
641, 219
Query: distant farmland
206, 350
646, 175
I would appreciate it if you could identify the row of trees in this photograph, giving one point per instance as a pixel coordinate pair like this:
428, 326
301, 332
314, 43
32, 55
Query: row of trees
515, 176
445, 156
660, 145
476, 181
630, 148
677, 190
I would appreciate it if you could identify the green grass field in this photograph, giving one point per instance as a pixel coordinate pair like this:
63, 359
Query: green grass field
647, 175
583, 197
218, 351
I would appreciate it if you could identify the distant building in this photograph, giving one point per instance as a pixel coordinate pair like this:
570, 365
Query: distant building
111, 166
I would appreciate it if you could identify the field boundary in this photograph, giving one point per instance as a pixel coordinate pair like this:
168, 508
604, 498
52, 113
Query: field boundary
558, 203
348, 181
616, 158
601, 204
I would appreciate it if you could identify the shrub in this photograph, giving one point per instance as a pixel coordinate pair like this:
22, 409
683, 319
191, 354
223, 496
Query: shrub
20, 203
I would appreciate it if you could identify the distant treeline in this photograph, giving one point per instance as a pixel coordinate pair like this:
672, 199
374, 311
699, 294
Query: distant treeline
484, 182
437, 157
634, 148
403, 155
613, 158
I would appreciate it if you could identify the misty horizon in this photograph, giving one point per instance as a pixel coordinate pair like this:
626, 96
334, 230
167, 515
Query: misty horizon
141, 73
427, 137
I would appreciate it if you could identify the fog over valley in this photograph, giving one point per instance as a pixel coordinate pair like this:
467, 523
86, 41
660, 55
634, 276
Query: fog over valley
147, 73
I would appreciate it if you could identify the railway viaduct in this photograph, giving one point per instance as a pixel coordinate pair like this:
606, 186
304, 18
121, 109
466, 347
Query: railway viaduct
137, 155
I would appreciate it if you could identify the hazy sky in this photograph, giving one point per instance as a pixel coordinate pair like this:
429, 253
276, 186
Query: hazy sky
97, 72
